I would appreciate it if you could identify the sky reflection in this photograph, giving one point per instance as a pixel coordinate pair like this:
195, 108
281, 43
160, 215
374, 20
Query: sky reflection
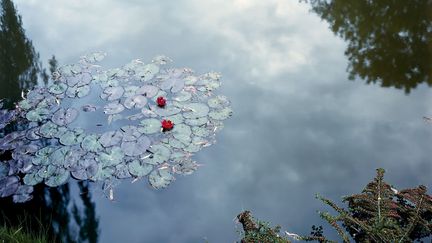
299, 126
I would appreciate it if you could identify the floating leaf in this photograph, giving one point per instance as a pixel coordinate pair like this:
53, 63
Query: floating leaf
58, 157
183, 96
221, 114
57, 89
63, 116
160, 154
86, 169
173, 84
149, 126
167, 111
37, 115
218, 102
42, 155
137, 101
32, 179
197, 121
91, 143
113, 108
72, 137
48, 129
113, 157
137, 147
111, 138
8, 185
79, 92
182, 133
139, 169
147, 72
147, 90
185, 167
160, 178
59, 177
195, 110
112, 93
122, 171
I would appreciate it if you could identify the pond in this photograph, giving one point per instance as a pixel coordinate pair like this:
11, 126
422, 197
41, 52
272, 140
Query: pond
322, 96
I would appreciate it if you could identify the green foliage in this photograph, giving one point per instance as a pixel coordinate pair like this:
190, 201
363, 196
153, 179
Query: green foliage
255, 231
382, 214
18, 235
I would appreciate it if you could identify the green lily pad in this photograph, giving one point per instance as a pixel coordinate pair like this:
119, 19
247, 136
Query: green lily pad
113, 108
32, 179
160, 178
111, 138
59, 178
221, 114
150, 126
137, 147
63, 116
139, 169
57, 89
91, 143
48, 130
37, 115
197, 121
113, 157
195, 110
182, 133
72, 137
160, 154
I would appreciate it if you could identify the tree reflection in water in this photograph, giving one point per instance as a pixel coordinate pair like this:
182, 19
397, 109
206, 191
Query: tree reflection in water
51, 209
389, 42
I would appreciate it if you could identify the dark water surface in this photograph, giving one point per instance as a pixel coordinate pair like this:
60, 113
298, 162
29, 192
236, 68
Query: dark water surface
305, 120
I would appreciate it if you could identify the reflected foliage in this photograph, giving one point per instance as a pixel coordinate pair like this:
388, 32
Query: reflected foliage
389, 42
19, 62
51, 209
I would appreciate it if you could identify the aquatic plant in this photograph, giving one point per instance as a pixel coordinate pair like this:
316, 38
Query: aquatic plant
140, 120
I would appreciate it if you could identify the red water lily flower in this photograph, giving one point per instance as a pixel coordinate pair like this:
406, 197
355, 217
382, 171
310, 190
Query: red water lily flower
161, 101
167, 125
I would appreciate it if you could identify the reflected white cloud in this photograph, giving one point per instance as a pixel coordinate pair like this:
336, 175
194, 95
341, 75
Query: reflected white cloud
299, 126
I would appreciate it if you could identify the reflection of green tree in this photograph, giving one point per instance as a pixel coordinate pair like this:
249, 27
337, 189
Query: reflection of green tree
19, 62
51, 209
389, 41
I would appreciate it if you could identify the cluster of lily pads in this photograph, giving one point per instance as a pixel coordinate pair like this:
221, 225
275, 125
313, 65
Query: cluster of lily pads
104, 125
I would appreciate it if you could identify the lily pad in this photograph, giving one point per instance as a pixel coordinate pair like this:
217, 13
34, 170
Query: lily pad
87, 170
139, 169
160, 178
150, 126
48, 130
112, 93
113, 157
147, 72
182, 133
218, 102
63, 116
221, 114
91, 143
113, 108
137, 147
111, 138
137, 101
32, 179
37, 115
195, 110
59, 178
72, 137
147, 90
197, 121
57, 89
8, 186
160, 154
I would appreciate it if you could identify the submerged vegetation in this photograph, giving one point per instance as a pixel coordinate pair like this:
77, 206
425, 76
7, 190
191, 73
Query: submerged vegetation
380, 213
